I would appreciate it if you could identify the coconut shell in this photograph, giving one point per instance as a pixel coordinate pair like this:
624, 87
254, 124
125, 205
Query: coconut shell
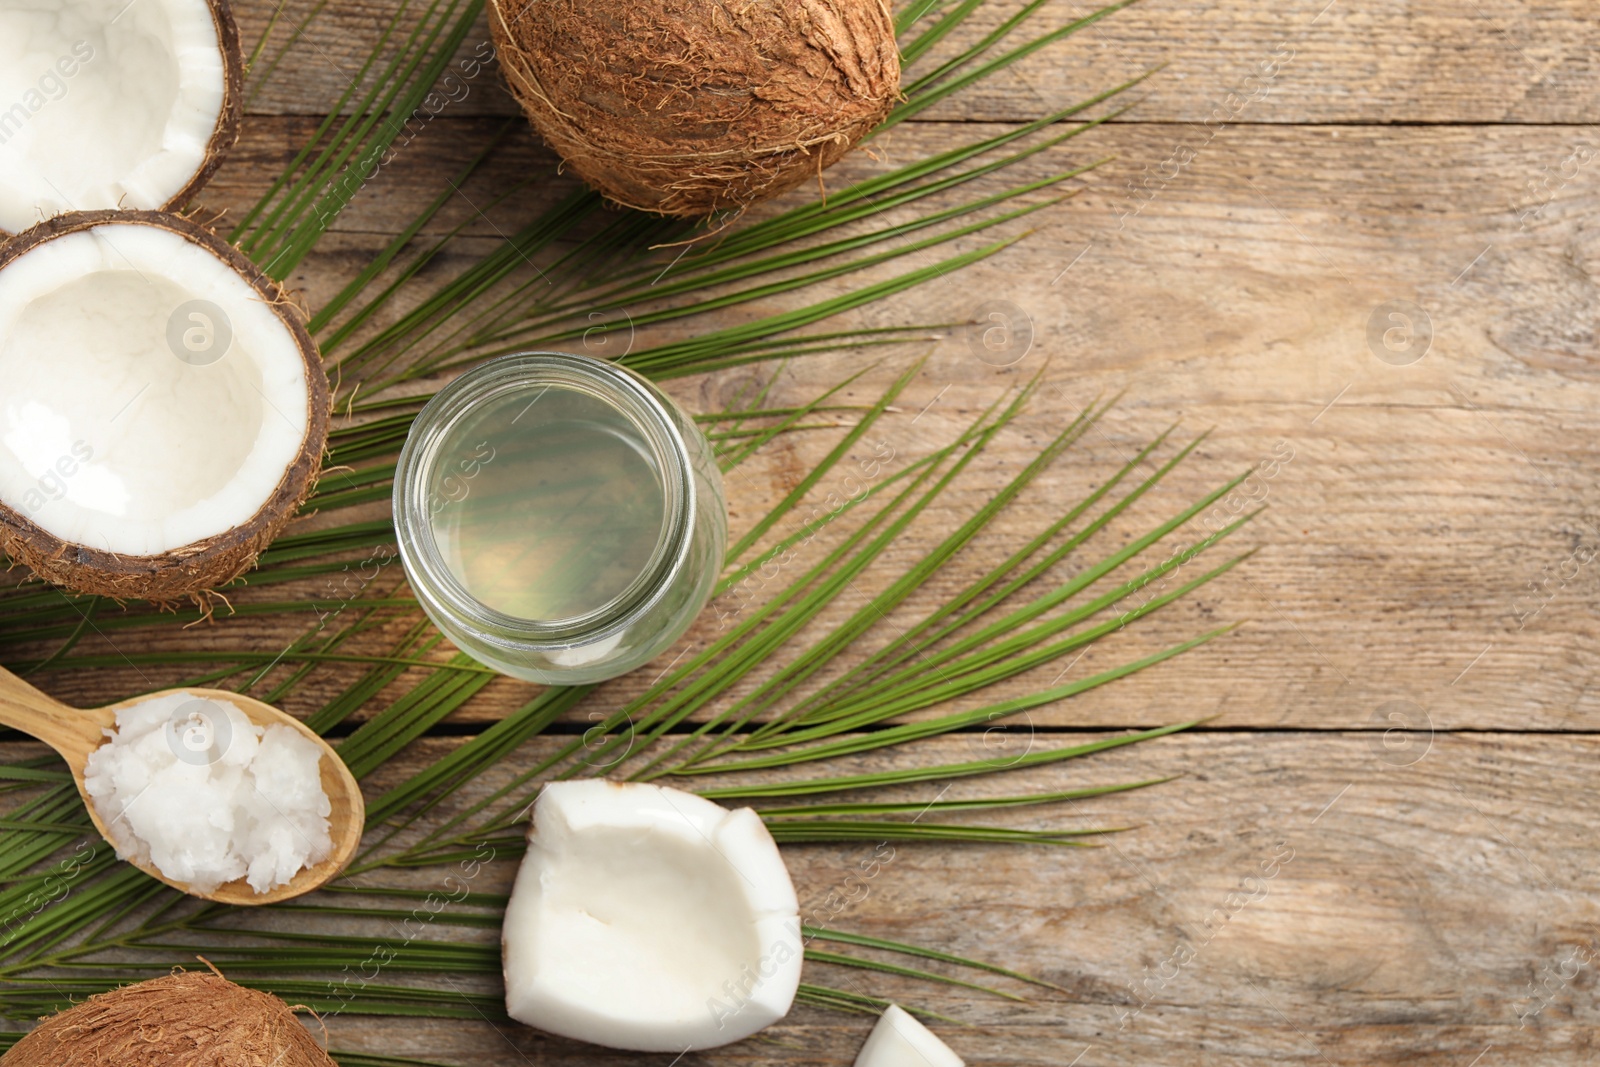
196, 570
225, 134
688, 107
187, 1019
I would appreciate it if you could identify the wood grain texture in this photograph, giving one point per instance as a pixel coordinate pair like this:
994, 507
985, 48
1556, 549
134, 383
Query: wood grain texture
1293, 62
1293, 898
1405, 729
1425, 543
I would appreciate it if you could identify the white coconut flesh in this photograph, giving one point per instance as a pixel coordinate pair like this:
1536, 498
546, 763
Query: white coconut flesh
152, 398
104, 103
649, 919
899, 1040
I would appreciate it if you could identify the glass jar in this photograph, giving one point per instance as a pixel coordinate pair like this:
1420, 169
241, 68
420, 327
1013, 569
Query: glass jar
560, 519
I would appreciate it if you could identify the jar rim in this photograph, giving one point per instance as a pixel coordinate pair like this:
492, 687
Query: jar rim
632, 397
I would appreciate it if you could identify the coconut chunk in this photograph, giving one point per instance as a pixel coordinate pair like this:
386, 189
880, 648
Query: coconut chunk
164, 411
110, 104
899, 1040
649, 919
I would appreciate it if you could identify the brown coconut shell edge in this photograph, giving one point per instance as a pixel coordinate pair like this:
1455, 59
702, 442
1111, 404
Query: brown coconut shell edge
196, 570
696, 182
189, 1018
225, 134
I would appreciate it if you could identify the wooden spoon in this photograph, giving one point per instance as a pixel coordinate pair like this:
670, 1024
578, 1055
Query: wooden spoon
76, 732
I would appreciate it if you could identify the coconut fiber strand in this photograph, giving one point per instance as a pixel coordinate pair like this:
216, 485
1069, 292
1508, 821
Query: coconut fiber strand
192, 1020
685, 107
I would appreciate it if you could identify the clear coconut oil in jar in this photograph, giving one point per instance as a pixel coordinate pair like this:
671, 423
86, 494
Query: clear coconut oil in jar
560, 519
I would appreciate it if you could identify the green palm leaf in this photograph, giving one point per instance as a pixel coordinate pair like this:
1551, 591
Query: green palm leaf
722, 719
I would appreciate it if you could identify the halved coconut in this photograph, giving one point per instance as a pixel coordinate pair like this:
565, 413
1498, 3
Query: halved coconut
112, 103
163, 412
899, 1040
650, 919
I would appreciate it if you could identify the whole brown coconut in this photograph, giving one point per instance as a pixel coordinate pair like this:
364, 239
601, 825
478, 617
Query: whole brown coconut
192, 1020
687, 107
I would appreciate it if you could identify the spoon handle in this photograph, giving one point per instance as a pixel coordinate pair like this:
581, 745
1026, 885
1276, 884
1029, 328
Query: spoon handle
70, 731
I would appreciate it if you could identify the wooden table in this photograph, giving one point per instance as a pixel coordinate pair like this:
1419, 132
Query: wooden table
1402, 735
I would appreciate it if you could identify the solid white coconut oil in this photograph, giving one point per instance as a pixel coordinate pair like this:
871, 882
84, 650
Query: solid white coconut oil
560, 519
191, 786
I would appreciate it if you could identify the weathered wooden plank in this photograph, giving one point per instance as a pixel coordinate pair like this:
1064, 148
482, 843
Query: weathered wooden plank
1292, 898
1420, 501
1226, 61
1372, 886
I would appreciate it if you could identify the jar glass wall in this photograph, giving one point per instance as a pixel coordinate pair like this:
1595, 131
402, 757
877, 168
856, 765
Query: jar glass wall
560, 519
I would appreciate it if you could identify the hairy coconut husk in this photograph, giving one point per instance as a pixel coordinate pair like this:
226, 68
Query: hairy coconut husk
686, 107
182, 1020
196, 570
